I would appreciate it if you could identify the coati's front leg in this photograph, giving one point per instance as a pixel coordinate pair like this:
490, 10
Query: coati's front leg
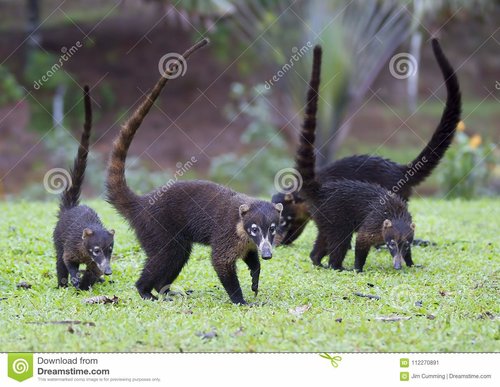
72, 267
360, 254
361, 251
90, 277
407, 258
225, 266
253, 263
62, 272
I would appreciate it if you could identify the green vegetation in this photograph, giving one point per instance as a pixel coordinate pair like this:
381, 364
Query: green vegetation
452, 300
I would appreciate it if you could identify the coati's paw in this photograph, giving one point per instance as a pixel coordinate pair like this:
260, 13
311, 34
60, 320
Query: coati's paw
63, 283
147, 295
83, 286
100, 280
255, 289
337, 268
75, 282
239, 302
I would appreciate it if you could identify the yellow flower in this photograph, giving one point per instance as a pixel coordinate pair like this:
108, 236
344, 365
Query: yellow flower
461, 126
475, 141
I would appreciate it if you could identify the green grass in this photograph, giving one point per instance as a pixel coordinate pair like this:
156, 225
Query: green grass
458, 284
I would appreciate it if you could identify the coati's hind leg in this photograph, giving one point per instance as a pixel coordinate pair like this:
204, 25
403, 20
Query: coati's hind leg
224, 263
253, 263
163, 267
319, 250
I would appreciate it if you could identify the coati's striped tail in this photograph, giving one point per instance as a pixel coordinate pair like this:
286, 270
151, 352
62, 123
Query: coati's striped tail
71, 195
305, 158
118, 192
422, 166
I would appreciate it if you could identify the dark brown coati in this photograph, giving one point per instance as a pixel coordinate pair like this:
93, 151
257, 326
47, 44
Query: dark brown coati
399, 179
79, 236
342, 207
170, 219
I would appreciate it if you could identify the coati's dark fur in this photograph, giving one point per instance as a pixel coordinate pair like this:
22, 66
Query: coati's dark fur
170, 219
342, 207
392, 176
79, 236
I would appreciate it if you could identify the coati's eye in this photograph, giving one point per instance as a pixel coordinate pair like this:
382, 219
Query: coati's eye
283, 222
392, 244
254, 229
96, 250
272, 229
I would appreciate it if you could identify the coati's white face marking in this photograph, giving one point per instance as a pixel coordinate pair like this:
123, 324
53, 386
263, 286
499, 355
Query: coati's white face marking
263, 239
254, 229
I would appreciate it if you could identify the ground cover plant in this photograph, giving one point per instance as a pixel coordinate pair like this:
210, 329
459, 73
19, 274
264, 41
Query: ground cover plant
449, 303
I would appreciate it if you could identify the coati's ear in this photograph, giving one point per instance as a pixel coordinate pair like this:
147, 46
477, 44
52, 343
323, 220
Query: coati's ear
87, 232
387, 223
112, 232
279, 207
244, 208
412, 226
288, 198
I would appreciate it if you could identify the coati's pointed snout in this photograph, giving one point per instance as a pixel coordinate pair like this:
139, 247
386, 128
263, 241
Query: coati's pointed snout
398, 261
267, 252
107, 270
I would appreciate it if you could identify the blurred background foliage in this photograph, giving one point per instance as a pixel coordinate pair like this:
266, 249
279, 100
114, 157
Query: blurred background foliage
255, 40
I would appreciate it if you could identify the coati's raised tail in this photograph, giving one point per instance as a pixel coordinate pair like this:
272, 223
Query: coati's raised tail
70, 197
118, 192
80, 238
423, 165
398, 178
169, 220
342, 207
306, 158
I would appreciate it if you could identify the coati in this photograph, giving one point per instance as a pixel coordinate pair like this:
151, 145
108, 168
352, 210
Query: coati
80, 237
398, 178
170, 219
341, 207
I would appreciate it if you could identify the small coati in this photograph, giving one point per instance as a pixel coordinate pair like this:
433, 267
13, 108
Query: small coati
342, 207
398, 178
170, 219
79, 236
